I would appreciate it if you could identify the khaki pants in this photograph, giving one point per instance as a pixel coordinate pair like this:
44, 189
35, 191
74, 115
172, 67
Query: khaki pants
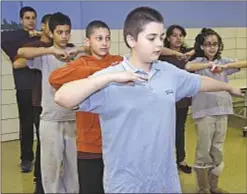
211, 133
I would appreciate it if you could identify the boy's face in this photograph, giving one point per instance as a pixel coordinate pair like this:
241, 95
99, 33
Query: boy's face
61, 35
149, 42
28, 21
99, 42
210, 46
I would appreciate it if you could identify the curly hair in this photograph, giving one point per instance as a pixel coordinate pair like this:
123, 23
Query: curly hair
200, 39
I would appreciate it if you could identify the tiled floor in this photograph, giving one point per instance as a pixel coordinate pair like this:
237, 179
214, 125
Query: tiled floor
233, 178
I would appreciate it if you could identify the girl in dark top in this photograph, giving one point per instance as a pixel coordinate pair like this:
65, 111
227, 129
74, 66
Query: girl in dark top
175, 40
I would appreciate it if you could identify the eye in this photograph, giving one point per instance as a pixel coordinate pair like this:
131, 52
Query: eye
151, 38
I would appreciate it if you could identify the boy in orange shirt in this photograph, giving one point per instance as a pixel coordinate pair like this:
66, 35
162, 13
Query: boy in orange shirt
89, 147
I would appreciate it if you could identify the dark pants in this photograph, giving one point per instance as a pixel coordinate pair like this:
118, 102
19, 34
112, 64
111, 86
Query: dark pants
36, 117
25, 108
29, 115
181, 115
90, 176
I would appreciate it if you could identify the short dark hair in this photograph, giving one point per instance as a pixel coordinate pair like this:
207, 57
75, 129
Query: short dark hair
58, 19
169, 32
94, 25
25, 9
45, 18
137, 19
200, 39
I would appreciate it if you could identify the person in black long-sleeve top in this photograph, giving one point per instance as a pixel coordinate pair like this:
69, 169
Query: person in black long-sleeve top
10, 42
174, 40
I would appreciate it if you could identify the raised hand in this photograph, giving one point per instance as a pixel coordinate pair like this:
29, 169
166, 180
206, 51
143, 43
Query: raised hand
128, 77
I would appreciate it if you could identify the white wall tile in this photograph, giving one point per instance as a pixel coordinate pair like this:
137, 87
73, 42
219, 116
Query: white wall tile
241, 32
115, 35
228, 32
10, 125
121, 38
230, 53
190, 42
76, 36
9, 111
7, 82
229, 43
241, 43
8, 97
241, 53
114, 48
192, 33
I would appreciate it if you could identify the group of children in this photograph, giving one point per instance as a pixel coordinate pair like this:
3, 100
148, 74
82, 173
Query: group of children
122, 111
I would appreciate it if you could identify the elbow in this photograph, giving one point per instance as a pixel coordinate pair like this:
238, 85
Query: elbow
63, 100
53, 82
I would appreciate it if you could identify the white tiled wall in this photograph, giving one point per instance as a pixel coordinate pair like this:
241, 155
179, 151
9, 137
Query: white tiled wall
235, 41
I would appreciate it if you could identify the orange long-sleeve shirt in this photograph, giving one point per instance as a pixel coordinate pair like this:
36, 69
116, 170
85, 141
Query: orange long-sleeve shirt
88, 126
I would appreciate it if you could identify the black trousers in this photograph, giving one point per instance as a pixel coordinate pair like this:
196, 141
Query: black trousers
25, 108
181, 116
29, 115
90, 173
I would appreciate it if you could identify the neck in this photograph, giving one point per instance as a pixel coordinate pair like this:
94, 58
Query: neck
210, 58
45, 39
57, 46
134, 60
96, 56
176, 48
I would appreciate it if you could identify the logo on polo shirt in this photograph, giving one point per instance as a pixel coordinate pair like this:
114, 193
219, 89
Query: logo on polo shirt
170, 91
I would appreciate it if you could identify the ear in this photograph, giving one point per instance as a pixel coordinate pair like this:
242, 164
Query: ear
201, 47
130, 40
21, 21
50, 34
42, 27
86, 42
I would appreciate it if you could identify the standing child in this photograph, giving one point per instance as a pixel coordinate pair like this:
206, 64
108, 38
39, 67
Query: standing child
57, 125
138, 117
211, 109
174, 40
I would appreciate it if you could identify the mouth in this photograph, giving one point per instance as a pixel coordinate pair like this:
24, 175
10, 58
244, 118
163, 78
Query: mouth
104, 49
157, 52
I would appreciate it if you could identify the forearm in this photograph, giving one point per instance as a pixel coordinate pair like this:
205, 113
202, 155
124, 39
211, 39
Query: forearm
32, 52
83, 49
211, 85
238, 64
168, 52
73, 93
197, 66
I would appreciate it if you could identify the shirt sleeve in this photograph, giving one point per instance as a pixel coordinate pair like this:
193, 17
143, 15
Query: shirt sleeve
97, 102
187, 84
74, 70
35, 63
